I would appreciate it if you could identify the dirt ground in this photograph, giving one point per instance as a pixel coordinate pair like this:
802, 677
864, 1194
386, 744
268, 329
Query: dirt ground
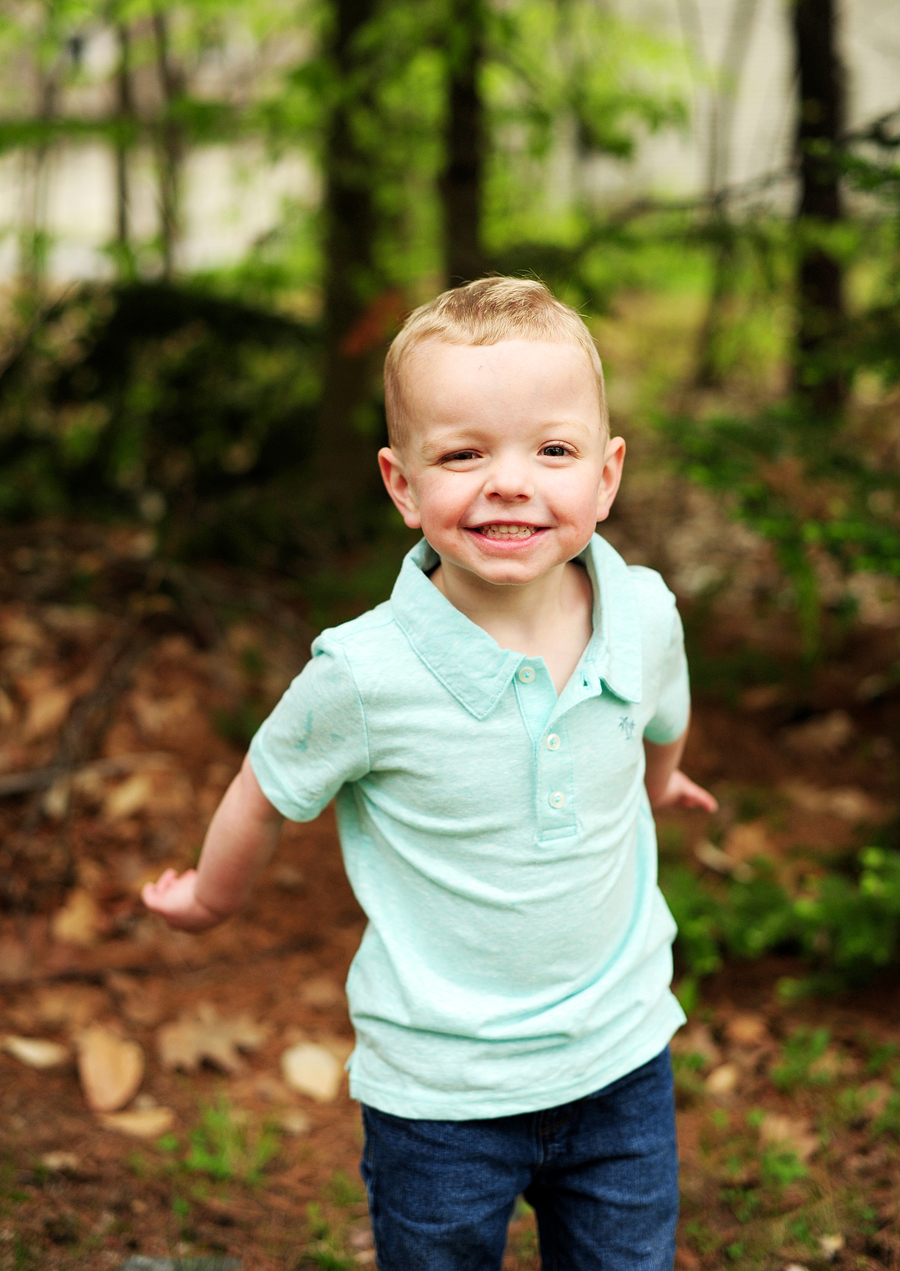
127, 690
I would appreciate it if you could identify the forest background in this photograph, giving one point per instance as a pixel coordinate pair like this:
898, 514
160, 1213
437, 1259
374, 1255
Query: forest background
188, 420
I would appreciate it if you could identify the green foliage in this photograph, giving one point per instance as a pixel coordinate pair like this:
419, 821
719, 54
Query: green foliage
222, 1147
799, 1054
847, 926
193, 412
325, 1247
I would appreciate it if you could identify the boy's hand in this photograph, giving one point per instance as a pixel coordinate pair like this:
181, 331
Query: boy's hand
681, 792
173, 897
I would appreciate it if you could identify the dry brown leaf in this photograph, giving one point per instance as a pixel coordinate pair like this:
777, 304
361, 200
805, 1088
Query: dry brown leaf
35, 1052
111, 1068
46, 711
747, 1030
80, 920
720, 862
130, 796
140, 1001
7, 709
206, 1035
69, 1006
850, 803
143, 1123
747, 840
872, 1098
294, 1121
321, 992
60, 1162
793, 1134
821, 735
14, 960
723, 1080
696, 1039
313, 1070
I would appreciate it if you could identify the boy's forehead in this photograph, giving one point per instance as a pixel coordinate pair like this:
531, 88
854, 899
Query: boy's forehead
433, 361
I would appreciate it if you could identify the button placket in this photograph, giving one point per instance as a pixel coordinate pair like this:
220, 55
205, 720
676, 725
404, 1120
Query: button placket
556, 811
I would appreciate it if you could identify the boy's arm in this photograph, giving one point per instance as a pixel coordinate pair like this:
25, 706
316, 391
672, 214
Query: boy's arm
667, 785
240, 840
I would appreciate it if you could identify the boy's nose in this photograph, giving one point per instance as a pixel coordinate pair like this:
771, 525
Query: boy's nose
509, 480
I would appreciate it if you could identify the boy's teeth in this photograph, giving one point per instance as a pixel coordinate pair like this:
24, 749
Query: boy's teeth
507, 531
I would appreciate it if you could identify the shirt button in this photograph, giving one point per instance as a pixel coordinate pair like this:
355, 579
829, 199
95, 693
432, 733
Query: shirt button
557, 799
553, 742
526, 674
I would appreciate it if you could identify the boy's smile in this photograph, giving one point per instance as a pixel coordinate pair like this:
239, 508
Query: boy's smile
507, 468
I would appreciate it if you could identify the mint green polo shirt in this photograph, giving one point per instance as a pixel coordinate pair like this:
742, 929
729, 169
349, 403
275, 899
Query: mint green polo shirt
499, 839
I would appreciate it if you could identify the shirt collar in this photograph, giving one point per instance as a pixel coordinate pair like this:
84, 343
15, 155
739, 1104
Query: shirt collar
473, 667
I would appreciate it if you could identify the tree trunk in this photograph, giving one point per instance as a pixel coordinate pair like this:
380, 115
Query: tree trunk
124, 119
170, 143
460, 183
347, 441
818, 374
708, 373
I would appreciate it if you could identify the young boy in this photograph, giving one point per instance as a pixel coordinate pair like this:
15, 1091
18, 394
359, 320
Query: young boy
494, 736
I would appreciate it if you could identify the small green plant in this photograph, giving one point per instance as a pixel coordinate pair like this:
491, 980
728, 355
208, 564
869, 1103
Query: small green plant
223, 1147
799, 1054
345, 1191
325, 1247
744, 1202
880, 1057
779, 1168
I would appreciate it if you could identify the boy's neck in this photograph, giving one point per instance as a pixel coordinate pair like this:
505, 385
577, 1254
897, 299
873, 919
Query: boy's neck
550, 617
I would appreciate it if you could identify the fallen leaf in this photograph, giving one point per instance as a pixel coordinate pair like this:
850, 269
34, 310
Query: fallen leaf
321, 992
873, 1097
289, 878
762, 696
46, 711
747, 1030
35, 1052
70, 1006
79, 921
142, 1123
60, 1162
7, 709
205, 1035
720, 862
130, 796
794, 1134
111, 1068
747, 840
13, 960
313, 1070
823, 734
293, 1121
849, 803
139, 1001
696, 1039
831, 1245
723, 1080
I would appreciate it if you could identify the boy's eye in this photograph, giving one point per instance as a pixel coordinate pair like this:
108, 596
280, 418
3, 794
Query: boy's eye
555, 451
459, 455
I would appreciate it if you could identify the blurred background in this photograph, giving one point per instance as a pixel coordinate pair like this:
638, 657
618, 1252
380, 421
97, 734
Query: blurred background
213, 216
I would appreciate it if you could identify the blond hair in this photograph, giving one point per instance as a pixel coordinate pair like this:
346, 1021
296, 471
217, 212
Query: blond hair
485, 312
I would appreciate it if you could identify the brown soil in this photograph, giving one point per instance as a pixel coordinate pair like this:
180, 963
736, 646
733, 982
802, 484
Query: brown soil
203, 656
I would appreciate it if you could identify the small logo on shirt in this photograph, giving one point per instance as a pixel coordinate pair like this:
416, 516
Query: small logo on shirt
626, 726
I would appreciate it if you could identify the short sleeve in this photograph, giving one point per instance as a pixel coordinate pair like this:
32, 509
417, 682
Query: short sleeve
670, 718
315, 739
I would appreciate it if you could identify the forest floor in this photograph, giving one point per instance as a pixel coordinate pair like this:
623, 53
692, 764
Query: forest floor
127, 691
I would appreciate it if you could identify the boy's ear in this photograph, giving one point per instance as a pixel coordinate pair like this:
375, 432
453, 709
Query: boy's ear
612, 475
396, 482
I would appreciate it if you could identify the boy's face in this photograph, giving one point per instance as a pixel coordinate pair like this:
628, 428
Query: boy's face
506, 469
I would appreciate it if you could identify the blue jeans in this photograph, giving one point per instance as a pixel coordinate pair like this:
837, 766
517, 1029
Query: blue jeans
601, 1174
